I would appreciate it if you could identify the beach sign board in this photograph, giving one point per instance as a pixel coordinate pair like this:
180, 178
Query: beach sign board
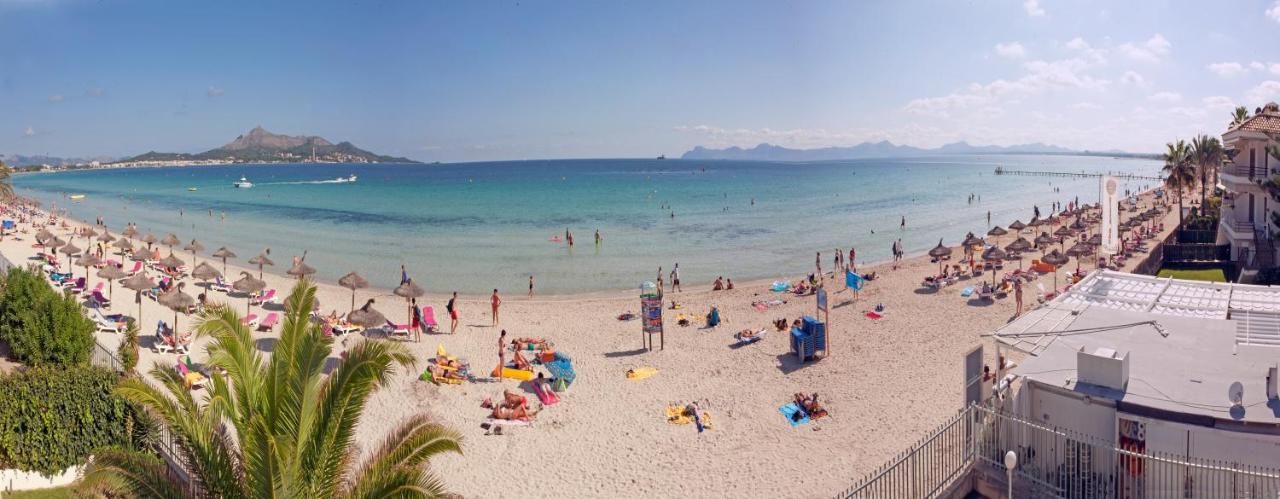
822, 299
1108, 186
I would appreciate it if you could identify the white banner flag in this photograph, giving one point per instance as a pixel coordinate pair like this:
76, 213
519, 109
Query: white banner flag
1110, 215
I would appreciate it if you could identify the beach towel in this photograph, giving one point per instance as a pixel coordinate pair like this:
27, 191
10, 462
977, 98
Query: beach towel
854, 281
761, 306
508, 422
641, 373
676, 415
545, 394
873, 315
752, 339
780, 286
967, 291
790, 411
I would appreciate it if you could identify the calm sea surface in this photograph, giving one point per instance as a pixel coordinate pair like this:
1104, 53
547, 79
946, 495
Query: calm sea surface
473, 227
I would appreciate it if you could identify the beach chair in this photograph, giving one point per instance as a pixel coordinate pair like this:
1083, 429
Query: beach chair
137, 267
267, 297
78, 287
394, 329
163, 342
250, 321
99, 300
190, 377
106, 325
96, 289
269, 322
429, 319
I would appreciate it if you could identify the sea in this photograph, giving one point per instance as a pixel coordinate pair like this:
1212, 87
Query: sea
473, 227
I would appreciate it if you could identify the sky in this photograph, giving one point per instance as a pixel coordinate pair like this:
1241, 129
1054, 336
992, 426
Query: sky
473, 81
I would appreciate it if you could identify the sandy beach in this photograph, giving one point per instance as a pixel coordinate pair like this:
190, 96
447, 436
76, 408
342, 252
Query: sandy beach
885, 382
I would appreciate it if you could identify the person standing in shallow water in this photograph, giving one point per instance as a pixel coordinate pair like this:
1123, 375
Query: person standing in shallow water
452, 307
530, 286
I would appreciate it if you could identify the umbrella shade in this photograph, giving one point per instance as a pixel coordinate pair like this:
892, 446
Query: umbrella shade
409, 290
1035, 222
366, 316
1053, 219
123, 244
939, 250
1062, 231
112, 272
1044, 239
1080, 249
261, 260
301, 270
972, 240
106, 237
71, 249
994, 253
248, 284
224, 253
149, 239
139, 282
1017, 225
997, 231
89, 260
170, 240
130, 231
1018, 245
194, 246
1096, 239
44, 235
353, 281
1055, 258
176, 300
205, 272
54, 243
1078, 225
172, 261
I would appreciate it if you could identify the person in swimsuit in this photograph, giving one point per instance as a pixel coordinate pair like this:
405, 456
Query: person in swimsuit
675, 278
530, 286
452, 307
495, 301
502, 352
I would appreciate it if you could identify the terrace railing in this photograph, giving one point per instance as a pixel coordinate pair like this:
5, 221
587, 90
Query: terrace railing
969, 449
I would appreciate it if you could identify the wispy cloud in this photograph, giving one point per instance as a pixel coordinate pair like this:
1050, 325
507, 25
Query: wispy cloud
1165, 97
29, 131
1040, 76
1011, 50
1274, 11
1153, 50
214, 91
56, 98
1133, 78
1095, 55
1033, 8
1228, 69
1266, 91
95, 92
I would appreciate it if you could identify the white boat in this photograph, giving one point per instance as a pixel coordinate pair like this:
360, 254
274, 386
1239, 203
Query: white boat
343, 180
243, 183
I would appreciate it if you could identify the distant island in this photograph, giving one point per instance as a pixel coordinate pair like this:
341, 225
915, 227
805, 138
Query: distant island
883, 149
261, 146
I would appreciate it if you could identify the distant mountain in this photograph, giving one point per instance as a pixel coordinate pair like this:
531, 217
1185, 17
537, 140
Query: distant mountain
17, 160
261, 146
882, 149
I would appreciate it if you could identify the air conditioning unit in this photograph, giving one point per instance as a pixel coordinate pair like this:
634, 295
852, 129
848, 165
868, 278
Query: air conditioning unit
1103, 367
1273, 373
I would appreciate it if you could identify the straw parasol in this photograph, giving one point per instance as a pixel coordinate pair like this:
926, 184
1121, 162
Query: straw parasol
70, 250
301, 269
261, 260
1035, 222
1056, 259
177, 301
111, 273
170, 240
1017, 226
224, 254
130, 231
44, 235
139, 282
193, 248
1044, 239
939, 252
54, 243
106, 237
353, 281
408, 290
205, 272
1095, 239
1079, 250
248, 285
367, 317
150, 239
86, 261
172, 261
997, 231
993, 254
123, 245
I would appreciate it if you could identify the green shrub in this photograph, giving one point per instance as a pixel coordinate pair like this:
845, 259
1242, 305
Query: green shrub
42, 325
128, 351
55, 417
54, 331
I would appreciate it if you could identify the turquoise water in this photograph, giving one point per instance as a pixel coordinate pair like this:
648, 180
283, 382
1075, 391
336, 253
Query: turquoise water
472, 227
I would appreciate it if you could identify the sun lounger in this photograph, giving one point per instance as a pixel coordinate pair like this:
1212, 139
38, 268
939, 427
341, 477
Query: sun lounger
342, 328
429, 319
190, 377
96, 289
269, 322
250, 321
106, 325
97, 298
268, 297
220, 285
137, 267
394, 329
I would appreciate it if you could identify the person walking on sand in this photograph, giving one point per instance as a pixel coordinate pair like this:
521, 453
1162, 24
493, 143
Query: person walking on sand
852, 264
836, 260
452, 307
598, 240
904, 223
502, 352
530, 286
675, 278
660, 280
1017, 295
817, 262
416, 325
495, 301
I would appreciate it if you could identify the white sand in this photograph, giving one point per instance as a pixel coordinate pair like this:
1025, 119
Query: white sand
886, 383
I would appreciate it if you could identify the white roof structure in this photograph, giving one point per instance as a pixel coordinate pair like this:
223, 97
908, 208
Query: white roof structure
1188, 342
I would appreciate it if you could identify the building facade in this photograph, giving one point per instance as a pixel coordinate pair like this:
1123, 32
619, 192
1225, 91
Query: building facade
1247, 208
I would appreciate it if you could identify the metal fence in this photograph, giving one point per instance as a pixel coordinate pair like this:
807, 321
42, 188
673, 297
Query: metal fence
1175, 253
104, 357
1052, 463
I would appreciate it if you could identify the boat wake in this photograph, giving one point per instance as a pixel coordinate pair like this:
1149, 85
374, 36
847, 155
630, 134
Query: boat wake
305, 182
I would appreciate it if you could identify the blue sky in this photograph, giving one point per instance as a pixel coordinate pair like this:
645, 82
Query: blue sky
464, 81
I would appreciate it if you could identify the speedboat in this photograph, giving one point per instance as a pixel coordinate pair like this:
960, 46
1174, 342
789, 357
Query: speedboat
191, 189
76, 197
243, 183
343, 180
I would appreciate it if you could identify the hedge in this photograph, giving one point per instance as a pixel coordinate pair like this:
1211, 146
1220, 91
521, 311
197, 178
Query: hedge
41, 325
52, 418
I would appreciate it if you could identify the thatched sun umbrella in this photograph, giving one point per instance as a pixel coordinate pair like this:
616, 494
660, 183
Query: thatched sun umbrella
367, 317
123, 245
248, 285
86, 261
224, 254
139, 282
1017, 226
408, 290
1018, 246
1095, 239
993, 254
130, 232
1062, 234
261, 260
44, 235
1044, 240
150, 239
353, 281
70, 250
170, 240
1056, 259
177, 301
106, 237
111, 273
193, 248
205, 272
940, 252
996, 232
1035, 222
301, 269
1079, 250
172, 261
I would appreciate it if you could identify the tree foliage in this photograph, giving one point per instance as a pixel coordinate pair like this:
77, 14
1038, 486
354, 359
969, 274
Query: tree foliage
52, 418
41, 325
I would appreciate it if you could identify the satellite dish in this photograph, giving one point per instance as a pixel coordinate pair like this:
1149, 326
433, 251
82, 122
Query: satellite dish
1236, 393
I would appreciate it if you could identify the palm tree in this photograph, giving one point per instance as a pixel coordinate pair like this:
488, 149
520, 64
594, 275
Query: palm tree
1208, 155
1179, 172
278, 427
6, 182
1238, 116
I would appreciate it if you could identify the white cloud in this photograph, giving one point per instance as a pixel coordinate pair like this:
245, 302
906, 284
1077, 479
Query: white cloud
1077, 43
1097, 56
55, 98
1218, 102
1041, 76
1274, 68
29, 132
95, 92
1257, 66
1266, 91
1086, 106
1133, 78
1034, 10
1228, 69
1274, 11
214, 91
1011, 50
1153, 50
1166, 97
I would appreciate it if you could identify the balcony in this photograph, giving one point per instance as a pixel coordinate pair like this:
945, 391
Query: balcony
1237, 230
1243, 177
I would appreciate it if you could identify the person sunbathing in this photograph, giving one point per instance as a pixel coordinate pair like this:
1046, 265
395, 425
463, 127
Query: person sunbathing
729, 285
512, 414
780, 324
746, 334
521, 363
871, 276
441, 373
512, 400
810, 405
443, 361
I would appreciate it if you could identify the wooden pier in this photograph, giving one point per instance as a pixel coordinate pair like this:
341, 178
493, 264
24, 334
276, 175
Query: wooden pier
1034, 173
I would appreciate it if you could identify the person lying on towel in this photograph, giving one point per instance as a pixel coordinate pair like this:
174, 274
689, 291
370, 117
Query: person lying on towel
521, 363
810, 405
442, 373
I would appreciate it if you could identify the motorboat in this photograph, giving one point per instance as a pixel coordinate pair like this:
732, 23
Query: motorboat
343, 180
243, 183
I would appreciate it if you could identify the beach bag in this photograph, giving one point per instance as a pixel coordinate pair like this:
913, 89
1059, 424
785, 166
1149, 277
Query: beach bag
559, 386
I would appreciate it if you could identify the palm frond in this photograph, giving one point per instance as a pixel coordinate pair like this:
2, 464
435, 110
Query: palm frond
116, 472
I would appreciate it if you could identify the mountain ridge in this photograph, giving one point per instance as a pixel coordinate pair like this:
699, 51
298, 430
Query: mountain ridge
262, 146
881, 149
